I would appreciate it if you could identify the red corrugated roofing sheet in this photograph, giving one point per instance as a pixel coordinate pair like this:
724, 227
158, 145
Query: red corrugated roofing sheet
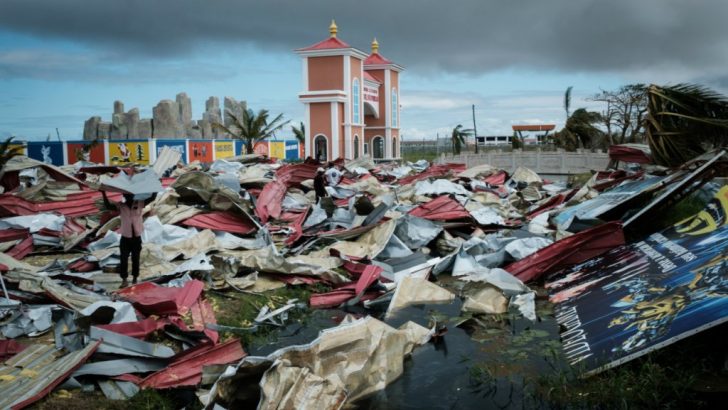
269, 202
7, 235
187, 369
9, 348
568, 251
434, 171
140, 329
152, 299
442, 208
630, 154
221, 221
82, 203
22, 249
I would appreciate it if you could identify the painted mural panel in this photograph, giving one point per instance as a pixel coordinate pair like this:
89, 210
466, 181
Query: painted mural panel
128, 152
199, 150
239, 147
49, 152
177, 145
224, 149
79, 150
292, 148
261, 148
277, 149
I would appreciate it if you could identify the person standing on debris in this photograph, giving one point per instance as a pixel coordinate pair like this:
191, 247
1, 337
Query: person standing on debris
132, 226
319, 184
333, 175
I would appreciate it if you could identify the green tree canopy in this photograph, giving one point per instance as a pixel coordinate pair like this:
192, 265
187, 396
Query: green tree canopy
252, 127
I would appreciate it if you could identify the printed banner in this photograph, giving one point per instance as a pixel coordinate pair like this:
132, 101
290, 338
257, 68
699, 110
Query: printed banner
84, 151
277, 149
49, 152
645, 295
177, 145
261, 148
122, 152
199, 150
224, 149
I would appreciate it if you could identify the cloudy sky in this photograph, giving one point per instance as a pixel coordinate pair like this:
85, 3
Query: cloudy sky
64, 61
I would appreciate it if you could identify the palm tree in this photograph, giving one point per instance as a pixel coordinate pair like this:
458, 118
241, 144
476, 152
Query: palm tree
251, 127
567, 101
7, 152
299, 133
579, 131
684, 121
459, 135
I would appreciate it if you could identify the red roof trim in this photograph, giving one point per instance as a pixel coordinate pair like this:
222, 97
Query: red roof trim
376, 59
328, 44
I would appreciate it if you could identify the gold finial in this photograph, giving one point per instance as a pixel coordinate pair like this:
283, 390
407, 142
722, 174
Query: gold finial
375, 46
333, 29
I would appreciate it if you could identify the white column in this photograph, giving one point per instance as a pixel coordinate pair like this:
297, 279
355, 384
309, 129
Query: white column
347, 107
305, 73
307, 143
387, 114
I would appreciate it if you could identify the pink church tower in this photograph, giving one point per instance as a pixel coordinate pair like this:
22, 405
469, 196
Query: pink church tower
351, 101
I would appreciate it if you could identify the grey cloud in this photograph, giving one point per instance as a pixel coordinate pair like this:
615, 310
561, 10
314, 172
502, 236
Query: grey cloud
466, 36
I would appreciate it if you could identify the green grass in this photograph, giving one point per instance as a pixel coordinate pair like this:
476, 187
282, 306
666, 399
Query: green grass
237, 309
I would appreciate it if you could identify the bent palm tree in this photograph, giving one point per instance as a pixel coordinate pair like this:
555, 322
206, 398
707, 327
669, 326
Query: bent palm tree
7, 152
251, 127
299, 133
567, 101
684, 121
458, 138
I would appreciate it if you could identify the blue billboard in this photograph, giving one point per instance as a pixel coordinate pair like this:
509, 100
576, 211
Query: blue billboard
49, 152
178, 145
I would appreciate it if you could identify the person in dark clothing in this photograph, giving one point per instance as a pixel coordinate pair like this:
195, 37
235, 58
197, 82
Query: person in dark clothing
132, 226
319, 184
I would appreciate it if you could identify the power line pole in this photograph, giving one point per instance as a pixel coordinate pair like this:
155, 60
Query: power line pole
475, 131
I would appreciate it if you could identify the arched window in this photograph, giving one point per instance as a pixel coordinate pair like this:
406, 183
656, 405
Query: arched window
356, 146
321, 148
378, 147
394, 107
394, 147
356, 97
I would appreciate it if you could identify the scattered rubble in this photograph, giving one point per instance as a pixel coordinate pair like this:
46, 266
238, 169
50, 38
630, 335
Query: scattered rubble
378, 244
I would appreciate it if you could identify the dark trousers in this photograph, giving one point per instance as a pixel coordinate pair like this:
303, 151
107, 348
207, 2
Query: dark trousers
131, 246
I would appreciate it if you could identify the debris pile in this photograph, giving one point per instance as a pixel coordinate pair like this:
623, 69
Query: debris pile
374, 245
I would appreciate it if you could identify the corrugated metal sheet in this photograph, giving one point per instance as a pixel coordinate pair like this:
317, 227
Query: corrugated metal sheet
34, 373
187, 370
434, 171
9, 348
152, 299
571, 250
269, 202
22, 249
442, 208
221, 221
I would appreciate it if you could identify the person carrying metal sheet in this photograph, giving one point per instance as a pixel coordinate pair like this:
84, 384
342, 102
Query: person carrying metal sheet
138, 189
131, 213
